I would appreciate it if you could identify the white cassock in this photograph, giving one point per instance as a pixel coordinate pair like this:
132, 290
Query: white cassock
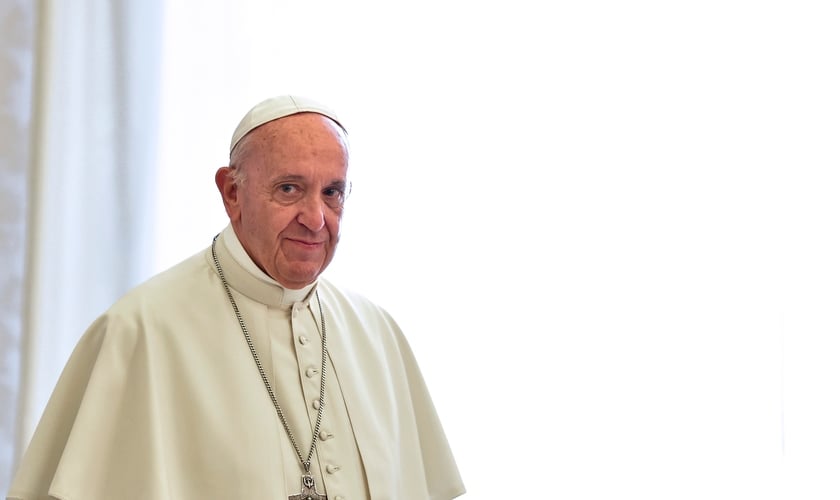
162, 399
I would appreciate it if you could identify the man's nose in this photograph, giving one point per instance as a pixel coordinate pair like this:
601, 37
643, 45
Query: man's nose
312, 213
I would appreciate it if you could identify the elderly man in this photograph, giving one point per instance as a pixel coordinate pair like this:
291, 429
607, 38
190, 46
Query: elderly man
239, 373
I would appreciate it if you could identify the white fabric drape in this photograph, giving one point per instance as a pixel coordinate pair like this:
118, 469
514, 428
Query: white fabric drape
16, 53
90, 179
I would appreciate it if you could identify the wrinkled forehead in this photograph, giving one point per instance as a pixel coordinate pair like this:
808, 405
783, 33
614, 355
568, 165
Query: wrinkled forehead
278, 107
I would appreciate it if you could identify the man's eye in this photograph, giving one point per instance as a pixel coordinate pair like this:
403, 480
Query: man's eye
287, 193
334, 193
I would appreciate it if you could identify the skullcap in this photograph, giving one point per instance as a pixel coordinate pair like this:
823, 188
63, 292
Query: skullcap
279, 107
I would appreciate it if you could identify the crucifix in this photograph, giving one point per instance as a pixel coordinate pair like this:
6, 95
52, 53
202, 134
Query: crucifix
307, 490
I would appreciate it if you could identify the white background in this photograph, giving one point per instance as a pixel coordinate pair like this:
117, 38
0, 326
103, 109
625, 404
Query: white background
609, 229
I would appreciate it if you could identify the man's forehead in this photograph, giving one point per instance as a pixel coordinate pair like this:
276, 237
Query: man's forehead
279, 107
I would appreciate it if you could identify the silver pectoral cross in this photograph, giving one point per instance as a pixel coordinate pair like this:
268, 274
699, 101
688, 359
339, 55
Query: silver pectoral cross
307, 490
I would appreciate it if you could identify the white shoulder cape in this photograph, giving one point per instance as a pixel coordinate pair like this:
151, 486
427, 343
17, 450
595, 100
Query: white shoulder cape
159, 401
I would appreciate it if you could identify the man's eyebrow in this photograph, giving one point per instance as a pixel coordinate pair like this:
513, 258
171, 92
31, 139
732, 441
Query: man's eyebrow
300, 178
288, 177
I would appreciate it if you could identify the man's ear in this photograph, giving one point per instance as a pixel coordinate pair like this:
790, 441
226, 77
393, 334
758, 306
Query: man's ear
229, 190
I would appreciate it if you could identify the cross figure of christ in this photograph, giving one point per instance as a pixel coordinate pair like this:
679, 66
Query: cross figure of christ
307, 490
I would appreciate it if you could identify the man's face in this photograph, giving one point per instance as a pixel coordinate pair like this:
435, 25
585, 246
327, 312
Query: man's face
287, 210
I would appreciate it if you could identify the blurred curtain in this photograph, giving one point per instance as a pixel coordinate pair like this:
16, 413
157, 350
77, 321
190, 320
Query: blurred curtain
16, 55
88, 112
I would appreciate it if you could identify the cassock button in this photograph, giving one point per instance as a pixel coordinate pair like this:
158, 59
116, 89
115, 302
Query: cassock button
332, 469
316, 404
311, 372
303, 339
324, 435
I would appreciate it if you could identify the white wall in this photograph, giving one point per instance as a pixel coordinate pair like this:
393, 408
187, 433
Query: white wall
609, 229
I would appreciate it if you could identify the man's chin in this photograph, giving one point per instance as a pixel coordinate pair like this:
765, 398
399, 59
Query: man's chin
300, 275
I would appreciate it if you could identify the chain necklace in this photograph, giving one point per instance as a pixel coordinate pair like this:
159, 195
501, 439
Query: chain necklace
308, 491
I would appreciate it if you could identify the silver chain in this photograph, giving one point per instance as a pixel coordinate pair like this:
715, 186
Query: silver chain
306, 463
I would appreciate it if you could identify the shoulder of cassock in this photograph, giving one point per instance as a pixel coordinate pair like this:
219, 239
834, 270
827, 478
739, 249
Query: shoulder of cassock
159, 400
